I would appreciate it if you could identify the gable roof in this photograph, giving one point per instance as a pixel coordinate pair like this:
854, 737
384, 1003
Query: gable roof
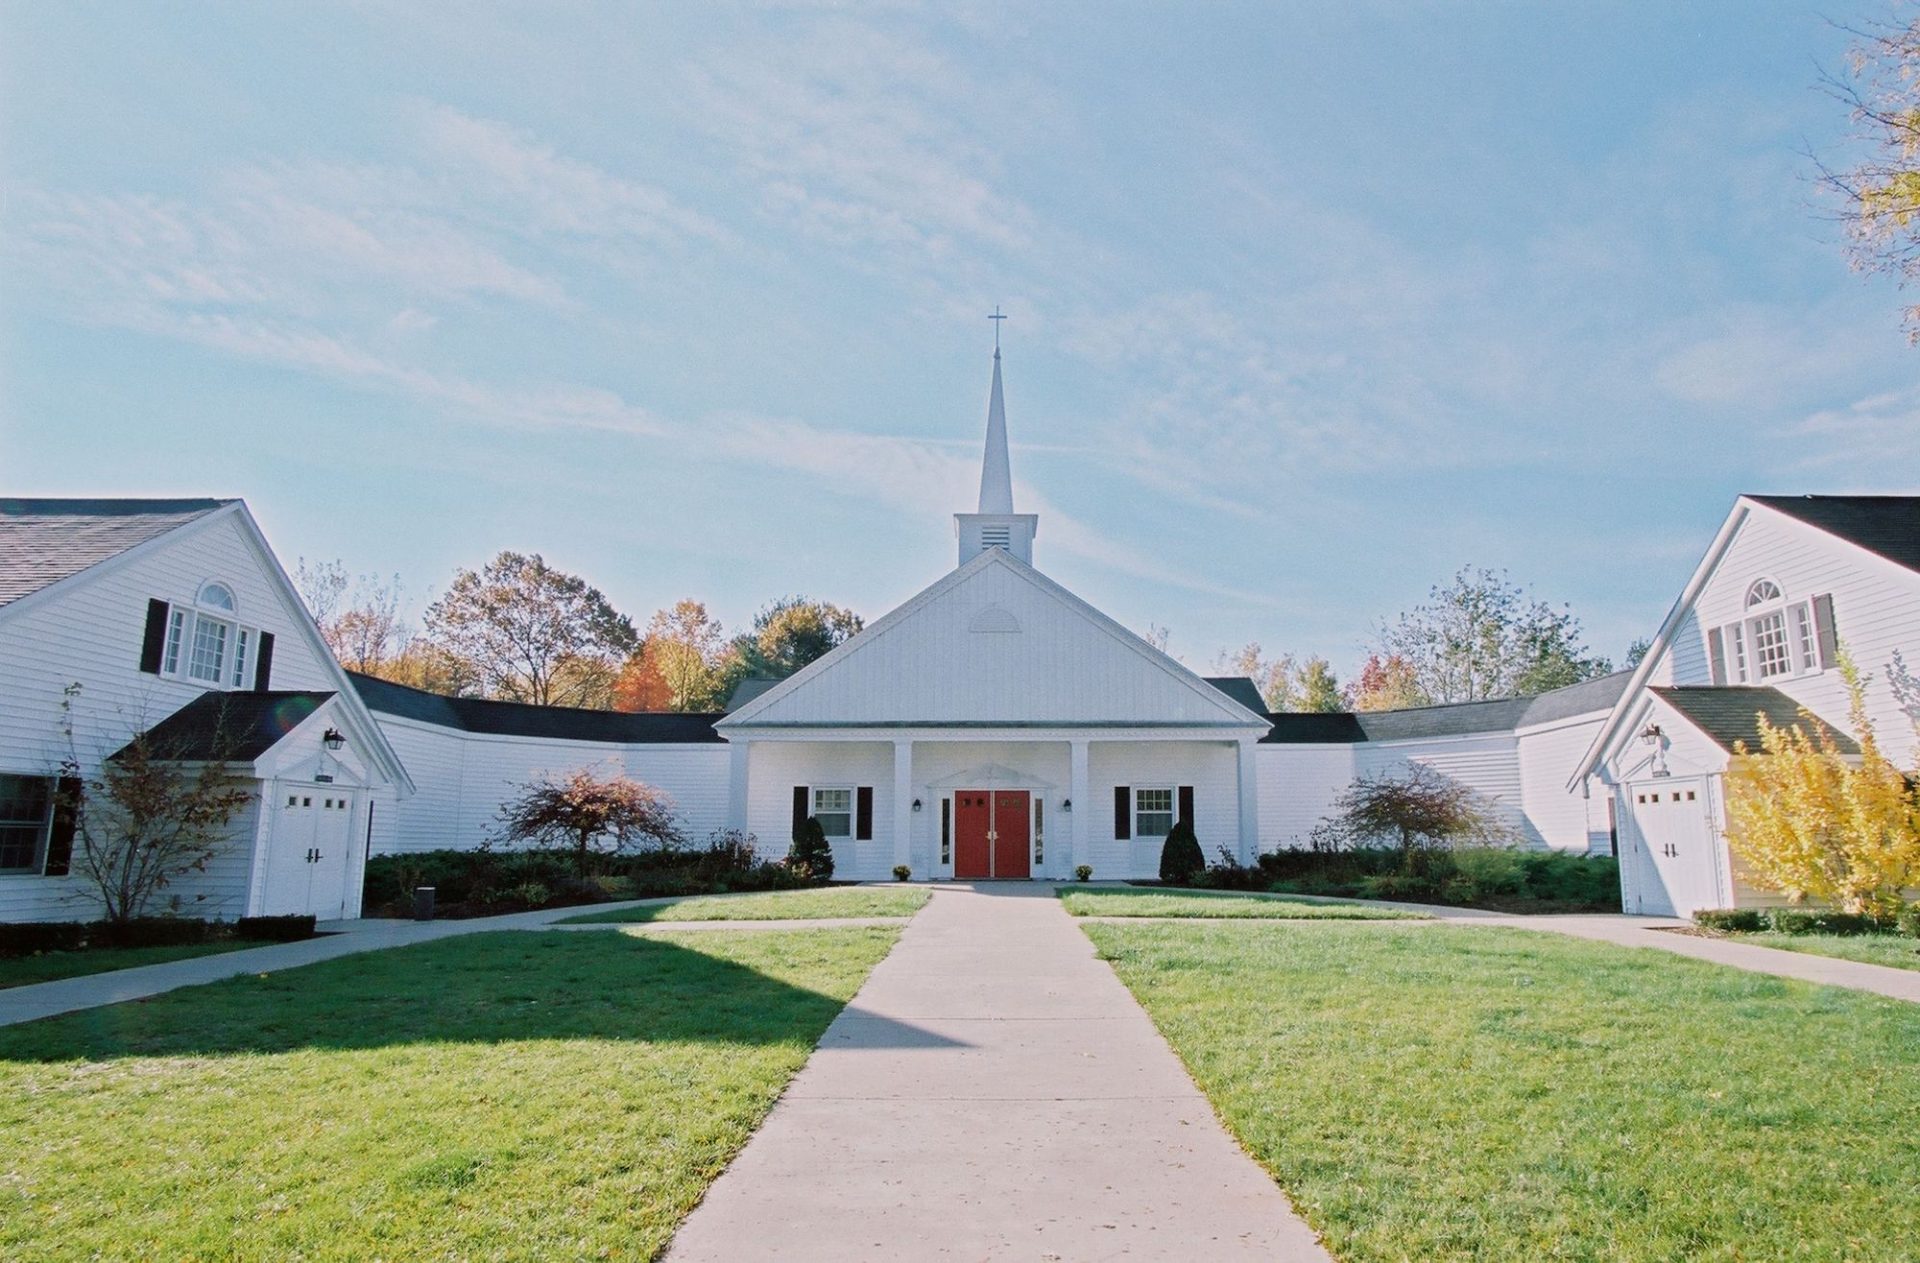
235, 727
1208, 707
1452, 719
519, 719
1887, 526
43, 541
1240, 689
1729, 713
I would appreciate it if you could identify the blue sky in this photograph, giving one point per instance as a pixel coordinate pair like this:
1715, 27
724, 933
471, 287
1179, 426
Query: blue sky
1310, 305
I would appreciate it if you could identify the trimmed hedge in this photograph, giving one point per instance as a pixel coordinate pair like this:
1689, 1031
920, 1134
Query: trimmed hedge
36, 938
488, 882
1180, 857
1486, 877
1788, 921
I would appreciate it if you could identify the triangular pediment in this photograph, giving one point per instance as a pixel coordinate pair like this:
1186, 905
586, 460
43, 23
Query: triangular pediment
994, 643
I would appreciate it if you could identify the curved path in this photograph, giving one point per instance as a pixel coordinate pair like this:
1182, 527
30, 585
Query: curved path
993, 1091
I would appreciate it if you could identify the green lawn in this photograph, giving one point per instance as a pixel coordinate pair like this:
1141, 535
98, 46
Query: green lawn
1450, 1093
1135, 901
777, 905
496, 1096
19, 971
1875, 949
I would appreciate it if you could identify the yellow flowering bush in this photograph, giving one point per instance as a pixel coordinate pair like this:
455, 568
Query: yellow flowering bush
1814, 823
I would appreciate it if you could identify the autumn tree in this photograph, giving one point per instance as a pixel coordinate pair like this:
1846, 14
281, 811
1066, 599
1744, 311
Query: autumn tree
1413, 809
585, 813
358, 616
641, 686
1482, 636
1284, 683
1879, 190
1385, 682
531, 633
689, 648
1811, 822
792, 632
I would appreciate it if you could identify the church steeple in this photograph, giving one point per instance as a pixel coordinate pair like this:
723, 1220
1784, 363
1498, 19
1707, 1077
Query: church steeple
996, 525
996, 472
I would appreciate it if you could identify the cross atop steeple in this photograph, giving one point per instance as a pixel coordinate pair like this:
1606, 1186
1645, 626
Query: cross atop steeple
996, 317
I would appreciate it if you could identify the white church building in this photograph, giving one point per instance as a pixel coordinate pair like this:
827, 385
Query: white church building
995, 726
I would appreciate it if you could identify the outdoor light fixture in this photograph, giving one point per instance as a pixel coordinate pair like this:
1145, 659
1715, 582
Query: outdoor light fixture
1066, 805
1651, 734
916, 804
332, 740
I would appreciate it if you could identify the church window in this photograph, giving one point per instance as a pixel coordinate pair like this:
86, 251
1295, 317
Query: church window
833, 808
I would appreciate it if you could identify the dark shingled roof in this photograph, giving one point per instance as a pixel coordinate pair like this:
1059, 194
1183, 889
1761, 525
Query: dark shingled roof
747, 690
517, 719
1886, 525
45, 541
1730, 713
1457, 719
1241, 690
238, 727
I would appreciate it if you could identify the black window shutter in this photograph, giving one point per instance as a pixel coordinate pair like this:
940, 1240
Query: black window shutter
1828, 635
1717, 655
863, 814
263, 664
800, 811
154, 643
1186, 804
66, 819
1122, 812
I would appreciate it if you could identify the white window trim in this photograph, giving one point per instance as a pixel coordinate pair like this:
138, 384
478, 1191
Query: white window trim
853, 808
1172, 813
1741, 637
241, 645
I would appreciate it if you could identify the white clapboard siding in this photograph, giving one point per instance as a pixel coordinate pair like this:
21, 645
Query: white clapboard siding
1556, 817
1211, 768
1487, 763
940, 767
775, 767
995, 642
1298, 785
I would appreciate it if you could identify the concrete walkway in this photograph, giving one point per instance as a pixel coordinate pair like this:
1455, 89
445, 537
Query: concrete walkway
992, 1092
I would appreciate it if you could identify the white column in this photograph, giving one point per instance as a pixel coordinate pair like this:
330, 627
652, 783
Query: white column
903, 804
1249, 800
1082, 803
737, 783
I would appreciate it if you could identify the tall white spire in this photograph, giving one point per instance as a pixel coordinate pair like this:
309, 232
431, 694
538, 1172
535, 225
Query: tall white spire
995, 525
996, 472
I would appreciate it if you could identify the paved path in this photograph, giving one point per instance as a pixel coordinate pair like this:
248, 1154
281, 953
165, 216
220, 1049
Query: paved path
992, 1092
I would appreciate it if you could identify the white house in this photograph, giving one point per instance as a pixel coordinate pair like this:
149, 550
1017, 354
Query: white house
172, 617
1787, 583
994, 726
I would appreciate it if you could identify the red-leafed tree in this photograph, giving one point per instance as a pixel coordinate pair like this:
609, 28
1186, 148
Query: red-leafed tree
641, 685
586, 813
1386, 683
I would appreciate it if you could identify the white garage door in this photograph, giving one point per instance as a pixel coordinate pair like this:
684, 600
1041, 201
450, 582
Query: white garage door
1675, 851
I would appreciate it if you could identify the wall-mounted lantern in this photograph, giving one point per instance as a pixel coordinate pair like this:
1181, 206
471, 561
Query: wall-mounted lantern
1066, 805
333, 740
916, 804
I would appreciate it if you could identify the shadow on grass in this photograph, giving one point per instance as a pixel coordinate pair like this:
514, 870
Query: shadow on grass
497, 987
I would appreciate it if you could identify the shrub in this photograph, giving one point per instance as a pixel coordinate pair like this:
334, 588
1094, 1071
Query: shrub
583, 812
532, 893
1908, 922
902, 873
811, 856
1731, 920
43, 936
1529, 881
286, 929
152, 932
614, 886
1820, 921
1487, 870
1083, 872
1181, 859
1415, 809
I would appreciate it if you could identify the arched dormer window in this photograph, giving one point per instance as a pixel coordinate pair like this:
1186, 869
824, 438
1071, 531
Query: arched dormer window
1772, 638
206, 644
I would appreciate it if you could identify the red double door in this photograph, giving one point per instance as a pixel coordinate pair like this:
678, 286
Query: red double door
992, 833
